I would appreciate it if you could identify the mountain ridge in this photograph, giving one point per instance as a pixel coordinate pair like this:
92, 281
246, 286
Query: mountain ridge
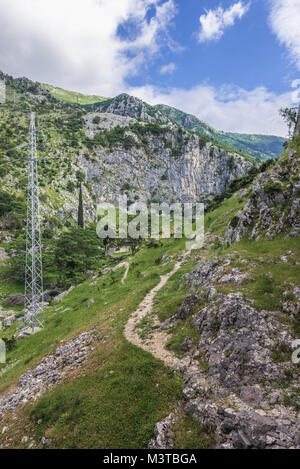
263, 147
244, 142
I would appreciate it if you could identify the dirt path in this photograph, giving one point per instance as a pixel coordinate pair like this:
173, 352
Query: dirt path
126, 265
156, 345
122, 264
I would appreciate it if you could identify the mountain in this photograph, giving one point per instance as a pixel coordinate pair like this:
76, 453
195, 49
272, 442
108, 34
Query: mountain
262, 147
116, 150
126, 105
146, 344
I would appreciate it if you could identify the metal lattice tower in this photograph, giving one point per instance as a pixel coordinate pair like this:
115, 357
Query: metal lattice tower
34, 313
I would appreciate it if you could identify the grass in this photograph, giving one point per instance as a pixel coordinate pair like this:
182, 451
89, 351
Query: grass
170, 297
190, 434
9, 286
270, 275
179, 332
109, 295
281, 353
216, 222
118, 395
73, 97
115, 406
145, 327
292, 399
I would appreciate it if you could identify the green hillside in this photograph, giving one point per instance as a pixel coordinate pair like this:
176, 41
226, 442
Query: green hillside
73, 97
262, 147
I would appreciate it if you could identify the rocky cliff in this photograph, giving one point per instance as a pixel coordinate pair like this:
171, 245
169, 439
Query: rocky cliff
118, 146
157, 163
274, 205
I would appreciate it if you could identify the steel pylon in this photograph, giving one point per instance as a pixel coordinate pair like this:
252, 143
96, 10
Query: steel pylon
34, 316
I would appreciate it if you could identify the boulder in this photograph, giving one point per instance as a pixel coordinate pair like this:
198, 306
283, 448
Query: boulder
63, 294
3, 255
187, 307
251, 394
16, 299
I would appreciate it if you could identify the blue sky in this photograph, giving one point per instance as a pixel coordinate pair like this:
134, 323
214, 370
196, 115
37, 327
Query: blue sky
233, 63
247, 55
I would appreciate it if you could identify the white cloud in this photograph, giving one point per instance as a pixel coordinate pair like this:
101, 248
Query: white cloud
168, 68
214, 22
75, 43
227, 108
285, 23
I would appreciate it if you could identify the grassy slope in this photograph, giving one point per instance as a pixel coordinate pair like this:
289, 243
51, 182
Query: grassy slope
73, 97
270, 276
119, 394
121, 391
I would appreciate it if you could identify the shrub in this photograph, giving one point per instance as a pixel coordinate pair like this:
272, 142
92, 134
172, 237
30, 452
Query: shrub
96, 120
234, 222
273, 187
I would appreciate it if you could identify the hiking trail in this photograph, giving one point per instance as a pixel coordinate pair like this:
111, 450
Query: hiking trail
156, 344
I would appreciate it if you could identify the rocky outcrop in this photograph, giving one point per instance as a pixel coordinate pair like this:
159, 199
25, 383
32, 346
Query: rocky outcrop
129, 106
15, 299
3, 255
238, 374
238, 428
235, 422
237, 341
60, 296
274, 205
49, 371
163, 433
236, 346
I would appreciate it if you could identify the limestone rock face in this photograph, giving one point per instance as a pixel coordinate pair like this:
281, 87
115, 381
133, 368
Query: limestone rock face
274, 207
237, 348
123, 146
175, 167
244, 354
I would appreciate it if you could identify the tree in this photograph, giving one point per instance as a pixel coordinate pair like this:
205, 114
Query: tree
289, 116
75, 253
80, 209
134, 244
297, 126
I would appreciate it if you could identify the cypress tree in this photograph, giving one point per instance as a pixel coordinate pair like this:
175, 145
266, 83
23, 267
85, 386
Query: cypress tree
80, 209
